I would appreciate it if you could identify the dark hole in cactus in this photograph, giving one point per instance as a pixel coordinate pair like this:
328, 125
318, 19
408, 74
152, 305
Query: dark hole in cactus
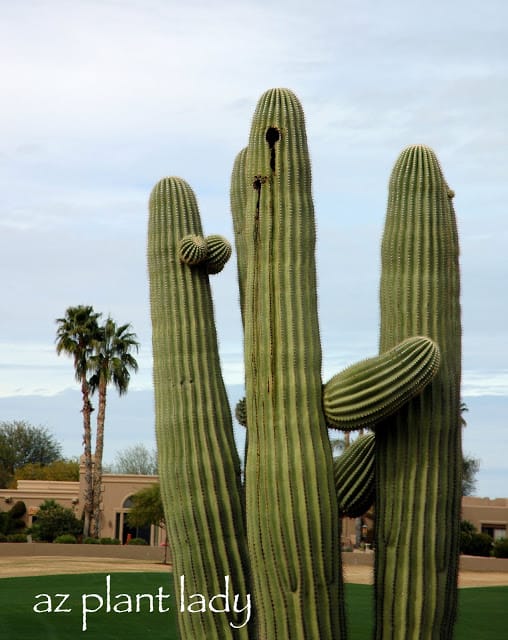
257, 186
272, 136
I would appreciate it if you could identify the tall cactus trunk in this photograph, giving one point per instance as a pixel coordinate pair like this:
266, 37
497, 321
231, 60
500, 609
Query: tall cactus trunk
198, 463
292, 514
418, 451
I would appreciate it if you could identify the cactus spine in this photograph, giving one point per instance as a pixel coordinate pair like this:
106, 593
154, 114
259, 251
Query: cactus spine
199, 467
418, 451
292, 516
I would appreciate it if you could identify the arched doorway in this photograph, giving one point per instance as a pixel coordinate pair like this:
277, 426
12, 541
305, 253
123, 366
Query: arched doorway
122, 528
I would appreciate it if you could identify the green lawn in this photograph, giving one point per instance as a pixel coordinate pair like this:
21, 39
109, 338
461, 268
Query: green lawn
483, 611
19, 620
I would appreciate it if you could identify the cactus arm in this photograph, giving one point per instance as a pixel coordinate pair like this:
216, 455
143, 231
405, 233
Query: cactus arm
219, 252
354, 473
370, 391
292, 515
199, 467
193, 250
418, 451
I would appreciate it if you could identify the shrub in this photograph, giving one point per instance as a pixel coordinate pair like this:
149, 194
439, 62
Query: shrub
12, 521
479, 544
465, 541
3, 522
66, 538
16, 537
500, 549
91, 541
18, 510
467, 531
3, 537
109, 541
53, 520
138, 541
467, 527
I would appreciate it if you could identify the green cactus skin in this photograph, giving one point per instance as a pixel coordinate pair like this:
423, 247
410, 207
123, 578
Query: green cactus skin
193, 250
238, 201
219, 252
199, 466
418, 451
292, 514
354, 473
369, 391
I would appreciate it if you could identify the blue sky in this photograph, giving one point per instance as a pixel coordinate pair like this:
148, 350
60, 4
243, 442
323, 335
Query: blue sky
102, 98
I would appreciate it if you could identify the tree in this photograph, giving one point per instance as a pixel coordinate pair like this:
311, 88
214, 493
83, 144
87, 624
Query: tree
463, 409
137, 459
111, 362
22, 443
76, 336
57, 470
147, 509
470, 467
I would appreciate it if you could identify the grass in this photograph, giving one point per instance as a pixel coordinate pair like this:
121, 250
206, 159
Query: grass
483, 614
19, 620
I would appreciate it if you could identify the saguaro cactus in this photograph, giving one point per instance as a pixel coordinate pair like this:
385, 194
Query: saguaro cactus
199, 466
292, 506
292, 515
418, 450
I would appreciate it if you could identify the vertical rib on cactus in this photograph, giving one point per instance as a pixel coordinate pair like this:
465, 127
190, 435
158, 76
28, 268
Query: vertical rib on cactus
199, 466
418, 451
292, 515
238, 200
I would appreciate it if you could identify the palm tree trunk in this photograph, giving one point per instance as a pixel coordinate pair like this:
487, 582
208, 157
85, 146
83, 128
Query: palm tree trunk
87, 445
99, 448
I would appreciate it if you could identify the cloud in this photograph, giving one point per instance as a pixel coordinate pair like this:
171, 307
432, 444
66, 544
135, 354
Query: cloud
102, 98
485, 383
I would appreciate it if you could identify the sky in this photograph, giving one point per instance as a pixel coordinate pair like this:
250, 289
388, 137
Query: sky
100, 99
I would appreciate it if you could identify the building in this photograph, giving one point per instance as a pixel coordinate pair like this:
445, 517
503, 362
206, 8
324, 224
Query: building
117, 492
487, 515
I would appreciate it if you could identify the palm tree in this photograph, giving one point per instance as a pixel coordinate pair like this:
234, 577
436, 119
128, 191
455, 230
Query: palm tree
463, 409
111, 362
76, 335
